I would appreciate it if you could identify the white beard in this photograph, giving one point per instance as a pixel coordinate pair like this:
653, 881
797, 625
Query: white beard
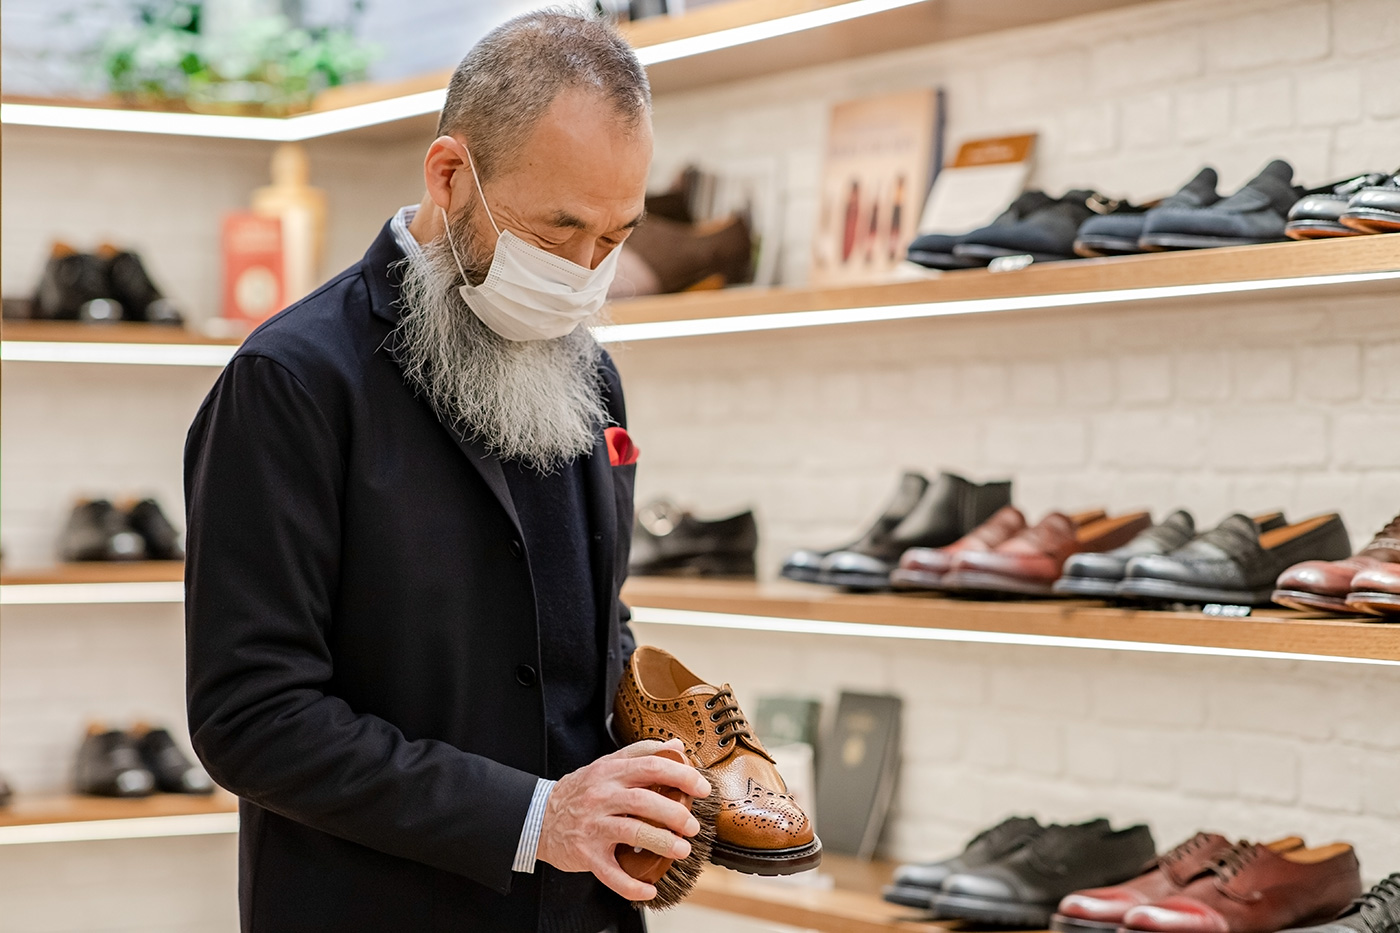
538, 402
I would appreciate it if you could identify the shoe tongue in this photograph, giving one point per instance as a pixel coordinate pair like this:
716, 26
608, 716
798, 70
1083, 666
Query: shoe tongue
1199, 191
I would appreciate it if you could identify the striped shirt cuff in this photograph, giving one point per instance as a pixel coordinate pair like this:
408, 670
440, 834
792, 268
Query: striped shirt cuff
530, 833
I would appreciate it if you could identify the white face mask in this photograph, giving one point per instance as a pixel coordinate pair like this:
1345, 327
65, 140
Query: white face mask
530, 294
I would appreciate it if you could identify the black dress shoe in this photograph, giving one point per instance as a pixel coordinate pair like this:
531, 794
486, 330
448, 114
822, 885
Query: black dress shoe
949, 508
1234, 563
1024, 888
110, 765
1046, 235
935, 250
1318, 213
917, 885
97, 530
806, 564
1098, 575
1376, 911
1257, 213
161, 538
130, 284
1375, 209
75, 287
669, 541
1118, 233
173, 772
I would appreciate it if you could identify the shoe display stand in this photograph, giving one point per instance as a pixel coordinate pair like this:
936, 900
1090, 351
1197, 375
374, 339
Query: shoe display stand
31, 820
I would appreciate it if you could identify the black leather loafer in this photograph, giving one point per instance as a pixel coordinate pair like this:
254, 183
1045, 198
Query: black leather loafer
1255, 214
110, 765
97, 530
918, 884
805, 564
1234, 563
1098, 575
1118, 233
1046, 234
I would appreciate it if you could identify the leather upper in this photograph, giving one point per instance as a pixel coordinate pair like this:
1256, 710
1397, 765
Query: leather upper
1255, 890
1058, 861
660, 699
1336, 578
1235, 555
987, 847
1004, 523
1256, 211
1168, 875
1174, 531
1039, 552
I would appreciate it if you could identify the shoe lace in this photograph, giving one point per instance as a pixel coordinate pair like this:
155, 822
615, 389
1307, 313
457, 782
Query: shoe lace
1046, 852
1380, 907
1236, 859
730, 723
1185, 849
996, 836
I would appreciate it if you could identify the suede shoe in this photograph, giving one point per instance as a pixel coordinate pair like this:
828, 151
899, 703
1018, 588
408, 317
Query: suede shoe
1255, 890
1098, 574
935, 250
949, 508
1101, 910
1234, 563
1318, 213
1375, 209
917, 885
760, 828
1376, 911
1327, 585
1046, 234
805, 564
1118, 233
1255, 214
1023, 889
922, 568
669, 541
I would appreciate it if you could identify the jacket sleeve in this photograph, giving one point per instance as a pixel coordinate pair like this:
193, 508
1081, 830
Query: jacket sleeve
264, 480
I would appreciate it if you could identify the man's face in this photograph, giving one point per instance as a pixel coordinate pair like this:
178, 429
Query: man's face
577, 188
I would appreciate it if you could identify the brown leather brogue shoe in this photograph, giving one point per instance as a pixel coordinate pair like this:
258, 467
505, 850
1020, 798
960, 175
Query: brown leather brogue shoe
1327, 585
921, 568
759, 828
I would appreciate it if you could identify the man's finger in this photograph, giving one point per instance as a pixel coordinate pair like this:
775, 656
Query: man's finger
654, 769
640, 834
611, 874
646, 804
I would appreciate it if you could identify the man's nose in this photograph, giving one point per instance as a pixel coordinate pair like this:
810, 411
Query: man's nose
586, 252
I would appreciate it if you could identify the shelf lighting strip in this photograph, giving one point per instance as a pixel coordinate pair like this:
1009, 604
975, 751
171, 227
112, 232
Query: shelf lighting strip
725, 620
142, 827
343, 119
89, 594
174, 354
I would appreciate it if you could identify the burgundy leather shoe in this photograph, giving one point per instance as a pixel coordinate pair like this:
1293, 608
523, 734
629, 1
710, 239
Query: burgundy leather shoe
920, 568
1376, 590
1255, 890
1103, 909
1030, 563
1326, 585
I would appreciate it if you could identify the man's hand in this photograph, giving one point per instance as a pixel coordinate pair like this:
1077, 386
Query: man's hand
596, 808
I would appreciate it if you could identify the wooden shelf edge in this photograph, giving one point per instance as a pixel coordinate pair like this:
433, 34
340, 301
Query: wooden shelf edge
1274, 631
75, 332
146, 571
56, 809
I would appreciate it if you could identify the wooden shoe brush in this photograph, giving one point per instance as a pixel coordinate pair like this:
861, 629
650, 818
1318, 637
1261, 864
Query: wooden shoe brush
674, 879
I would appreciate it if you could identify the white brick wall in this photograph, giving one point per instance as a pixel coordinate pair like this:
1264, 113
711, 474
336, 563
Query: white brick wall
1244, 404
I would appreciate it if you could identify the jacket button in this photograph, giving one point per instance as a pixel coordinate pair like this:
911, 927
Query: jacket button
517, 550
525, 675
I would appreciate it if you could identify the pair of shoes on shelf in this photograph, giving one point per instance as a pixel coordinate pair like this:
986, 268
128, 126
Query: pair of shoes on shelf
922, 513
109, 285
1210, 885
1356, 206
1015, 874
136, 763
1035, 225
669, 541
98, 530
1365, 583
1007, 556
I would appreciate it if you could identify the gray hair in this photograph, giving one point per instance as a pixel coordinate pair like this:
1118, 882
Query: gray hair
508, 80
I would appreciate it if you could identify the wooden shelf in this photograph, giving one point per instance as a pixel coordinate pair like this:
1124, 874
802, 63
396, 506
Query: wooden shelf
130, 332
852, 905
142, 571
27, 810
1278, 631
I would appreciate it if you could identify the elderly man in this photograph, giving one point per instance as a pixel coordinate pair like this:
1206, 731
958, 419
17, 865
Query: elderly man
410, 502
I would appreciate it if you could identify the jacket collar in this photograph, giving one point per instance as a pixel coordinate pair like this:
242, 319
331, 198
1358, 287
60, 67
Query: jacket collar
382, 282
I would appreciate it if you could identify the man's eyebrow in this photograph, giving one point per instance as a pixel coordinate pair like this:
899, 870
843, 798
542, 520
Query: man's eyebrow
567, 220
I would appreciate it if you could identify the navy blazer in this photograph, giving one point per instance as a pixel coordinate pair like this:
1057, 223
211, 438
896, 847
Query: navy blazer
362, 643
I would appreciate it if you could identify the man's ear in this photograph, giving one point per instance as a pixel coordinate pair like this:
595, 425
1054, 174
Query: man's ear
446, 157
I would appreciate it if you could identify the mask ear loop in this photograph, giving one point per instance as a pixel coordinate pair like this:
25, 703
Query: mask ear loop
447, 224
472, 162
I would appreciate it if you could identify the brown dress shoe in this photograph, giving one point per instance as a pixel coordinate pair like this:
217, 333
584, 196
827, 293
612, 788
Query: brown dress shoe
1103, 909
1029, 563
1376, 590
1327, 584
1255, 890
760, 829
920, 568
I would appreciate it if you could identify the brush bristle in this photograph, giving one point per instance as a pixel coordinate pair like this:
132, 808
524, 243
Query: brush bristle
680, 879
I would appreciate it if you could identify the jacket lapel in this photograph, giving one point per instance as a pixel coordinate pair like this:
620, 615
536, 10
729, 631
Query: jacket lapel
602, 520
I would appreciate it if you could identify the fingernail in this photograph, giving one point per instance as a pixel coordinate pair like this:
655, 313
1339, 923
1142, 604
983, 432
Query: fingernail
705, 788
692, 826
681, 849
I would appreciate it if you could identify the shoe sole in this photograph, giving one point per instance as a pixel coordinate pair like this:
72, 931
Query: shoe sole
768, 862
988, 253
1062, 924
1372, 220
1317, 229
907, 895
801, 576
943, 261
979, 581
1311, 602
985, 910
1161, 241
1171, 591
1374, 603
916, 580
1092, 247
855, 581
1085, 586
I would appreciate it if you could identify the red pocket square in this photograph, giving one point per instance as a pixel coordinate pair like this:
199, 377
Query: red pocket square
621, 450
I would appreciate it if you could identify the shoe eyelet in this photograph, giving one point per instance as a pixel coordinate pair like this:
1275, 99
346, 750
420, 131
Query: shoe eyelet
709, 704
